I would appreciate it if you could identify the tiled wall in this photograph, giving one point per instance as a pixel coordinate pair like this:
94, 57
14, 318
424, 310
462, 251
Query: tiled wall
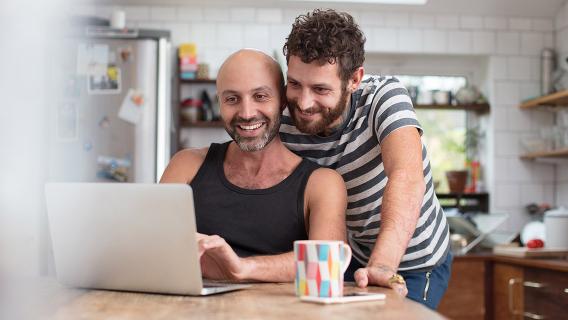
511, 45
562, 50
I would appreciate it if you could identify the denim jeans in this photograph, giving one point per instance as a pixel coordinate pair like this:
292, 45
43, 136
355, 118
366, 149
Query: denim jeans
425, 287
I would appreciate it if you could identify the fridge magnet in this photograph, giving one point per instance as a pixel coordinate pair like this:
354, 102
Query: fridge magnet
109, 83
104, 122
131, 108
67, 121
112, 168
87, 146
125, 53
92, 59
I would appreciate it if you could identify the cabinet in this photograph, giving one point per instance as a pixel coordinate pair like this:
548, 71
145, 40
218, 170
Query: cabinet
486, 286
556, 100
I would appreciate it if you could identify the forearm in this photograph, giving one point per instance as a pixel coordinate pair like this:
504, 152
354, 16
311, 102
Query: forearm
400, 210
274, 268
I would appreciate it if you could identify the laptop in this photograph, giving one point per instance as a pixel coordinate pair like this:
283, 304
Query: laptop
127, 237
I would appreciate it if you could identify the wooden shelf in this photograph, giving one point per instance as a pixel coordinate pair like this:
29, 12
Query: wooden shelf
202, 124
198, 81
556, 99
477, 107
546, 154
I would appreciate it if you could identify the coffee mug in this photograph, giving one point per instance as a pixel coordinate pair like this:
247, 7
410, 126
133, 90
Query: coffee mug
320, 265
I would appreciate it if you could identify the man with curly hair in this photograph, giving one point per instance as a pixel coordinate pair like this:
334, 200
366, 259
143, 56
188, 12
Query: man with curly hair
366, 129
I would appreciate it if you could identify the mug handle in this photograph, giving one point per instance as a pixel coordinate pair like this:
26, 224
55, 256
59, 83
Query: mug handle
347, 257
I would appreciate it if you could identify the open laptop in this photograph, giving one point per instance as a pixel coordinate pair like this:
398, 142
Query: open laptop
130, 237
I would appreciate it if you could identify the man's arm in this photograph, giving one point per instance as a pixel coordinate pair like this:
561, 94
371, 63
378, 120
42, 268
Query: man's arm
325, 201
184, 166
402, 201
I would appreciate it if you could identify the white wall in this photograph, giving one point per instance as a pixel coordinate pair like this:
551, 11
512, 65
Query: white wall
512, 46
562, 51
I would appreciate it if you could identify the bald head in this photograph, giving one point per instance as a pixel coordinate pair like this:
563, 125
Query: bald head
250, 63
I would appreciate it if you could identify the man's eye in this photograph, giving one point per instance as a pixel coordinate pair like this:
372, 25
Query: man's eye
231, 99
293, 84
261, 97
321, 90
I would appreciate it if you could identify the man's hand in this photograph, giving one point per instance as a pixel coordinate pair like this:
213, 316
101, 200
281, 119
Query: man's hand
379, 275
218, 260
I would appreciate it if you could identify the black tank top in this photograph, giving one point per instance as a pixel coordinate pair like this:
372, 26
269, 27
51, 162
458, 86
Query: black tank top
252, 221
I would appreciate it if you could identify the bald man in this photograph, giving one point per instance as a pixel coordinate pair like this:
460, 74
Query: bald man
253, 196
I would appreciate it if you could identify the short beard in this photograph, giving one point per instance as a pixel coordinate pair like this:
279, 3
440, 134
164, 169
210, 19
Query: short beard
328, 118
253, 144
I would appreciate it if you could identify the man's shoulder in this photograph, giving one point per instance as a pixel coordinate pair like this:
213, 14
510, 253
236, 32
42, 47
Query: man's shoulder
184, 165
325, 177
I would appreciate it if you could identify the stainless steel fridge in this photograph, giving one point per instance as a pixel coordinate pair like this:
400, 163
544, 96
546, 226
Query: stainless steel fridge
113, 121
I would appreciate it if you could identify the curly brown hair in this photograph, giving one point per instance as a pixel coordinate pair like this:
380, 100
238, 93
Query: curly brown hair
327, 36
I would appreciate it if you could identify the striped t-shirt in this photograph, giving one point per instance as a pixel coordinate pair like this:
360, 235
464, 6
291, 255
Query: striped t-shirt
378, 107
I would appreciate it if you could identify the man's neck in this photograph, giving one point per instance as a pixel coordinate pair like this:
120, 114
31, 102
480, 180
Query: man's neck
273, 156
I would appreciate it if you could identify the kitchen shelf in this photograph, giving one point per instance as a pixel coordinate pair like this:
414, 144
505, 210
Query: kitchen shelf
477, 107
198, 81
562, 153
465, 202
555, 99
202, 124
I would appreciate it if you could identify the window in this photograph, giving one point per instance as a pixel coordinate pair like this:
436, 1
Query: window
444, 130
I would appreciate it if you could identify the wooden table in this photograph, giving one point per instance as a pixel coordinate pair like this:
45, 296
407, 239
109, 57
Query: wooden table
262, 301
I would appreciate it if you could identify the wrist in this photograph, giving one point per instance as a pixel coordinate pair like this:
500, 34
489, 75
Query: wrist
246, 271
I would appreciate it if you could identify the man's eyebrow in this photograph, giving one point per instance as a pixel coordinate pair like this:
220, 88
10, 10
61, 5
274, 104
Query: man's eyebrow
262, 88
226, 92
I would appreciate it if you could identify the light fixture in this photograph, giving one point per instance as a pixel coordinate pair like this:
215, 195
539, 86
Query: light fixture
402, 2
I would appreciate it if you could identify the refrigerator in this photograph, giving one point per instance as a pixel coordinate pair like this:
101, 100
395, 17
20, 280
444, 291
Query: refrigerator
113, 120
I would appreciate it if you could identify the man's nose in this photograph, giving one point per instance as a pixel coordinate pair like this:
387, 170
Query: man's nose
305, 100
247, 110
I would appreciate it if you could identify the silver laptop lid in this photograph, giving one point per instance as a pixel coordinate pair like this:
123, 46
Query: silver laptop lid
134, 237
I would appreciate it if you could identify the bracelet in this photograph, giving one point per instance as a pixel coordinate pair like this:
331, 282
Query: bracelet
396, 278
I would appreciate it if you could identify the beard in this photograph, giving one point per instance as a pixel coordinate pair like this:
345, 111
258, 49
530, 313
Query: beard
251, 144
328, 116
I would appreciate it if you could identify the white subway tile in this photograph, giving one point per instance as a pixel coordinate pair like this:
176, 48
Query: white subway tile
290, 15
447, 22
519, 170
500, 117
190, 14
162, 13
484, 42
534, 67
150, 25
562, 40
105, 11
203, 34
543, 173
435, 41
529, 90
498, 67
471, 22
501, 169
549, 41
521, 24
562, 171
242, 14
422, 21
230, 35
507, 144
410, 40
519, 120
257, 36
543, 24
372, 18
278, 35
507, 92
395, 19
532, 43
508, 42
507, 194
136, 13
562, 195
518, 68
383, 40
83, 10
542, 119
179, 32
459, 42
561, 20
549, 193
269, 15
216, 14
495, 23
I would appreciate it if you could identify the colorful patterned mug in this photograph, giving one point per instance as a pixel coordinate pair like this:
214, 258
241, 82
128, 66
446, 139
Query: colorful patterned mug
320, 265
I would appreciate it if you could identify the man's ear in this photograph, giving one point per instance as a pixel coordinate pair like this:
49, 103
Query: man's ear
356, 78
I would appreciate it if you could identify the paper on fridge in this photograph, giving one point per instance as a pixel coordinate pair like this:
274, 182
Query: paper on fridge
92, 59
131, 108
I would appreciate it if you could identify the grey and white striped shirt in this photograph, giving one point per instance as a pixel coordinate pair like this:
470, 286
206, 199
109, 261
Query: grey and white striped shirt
378, 107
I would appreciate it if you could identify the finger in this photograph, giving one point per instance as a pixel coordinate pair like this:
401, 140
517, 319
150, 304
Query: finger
400, 289
361, 277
